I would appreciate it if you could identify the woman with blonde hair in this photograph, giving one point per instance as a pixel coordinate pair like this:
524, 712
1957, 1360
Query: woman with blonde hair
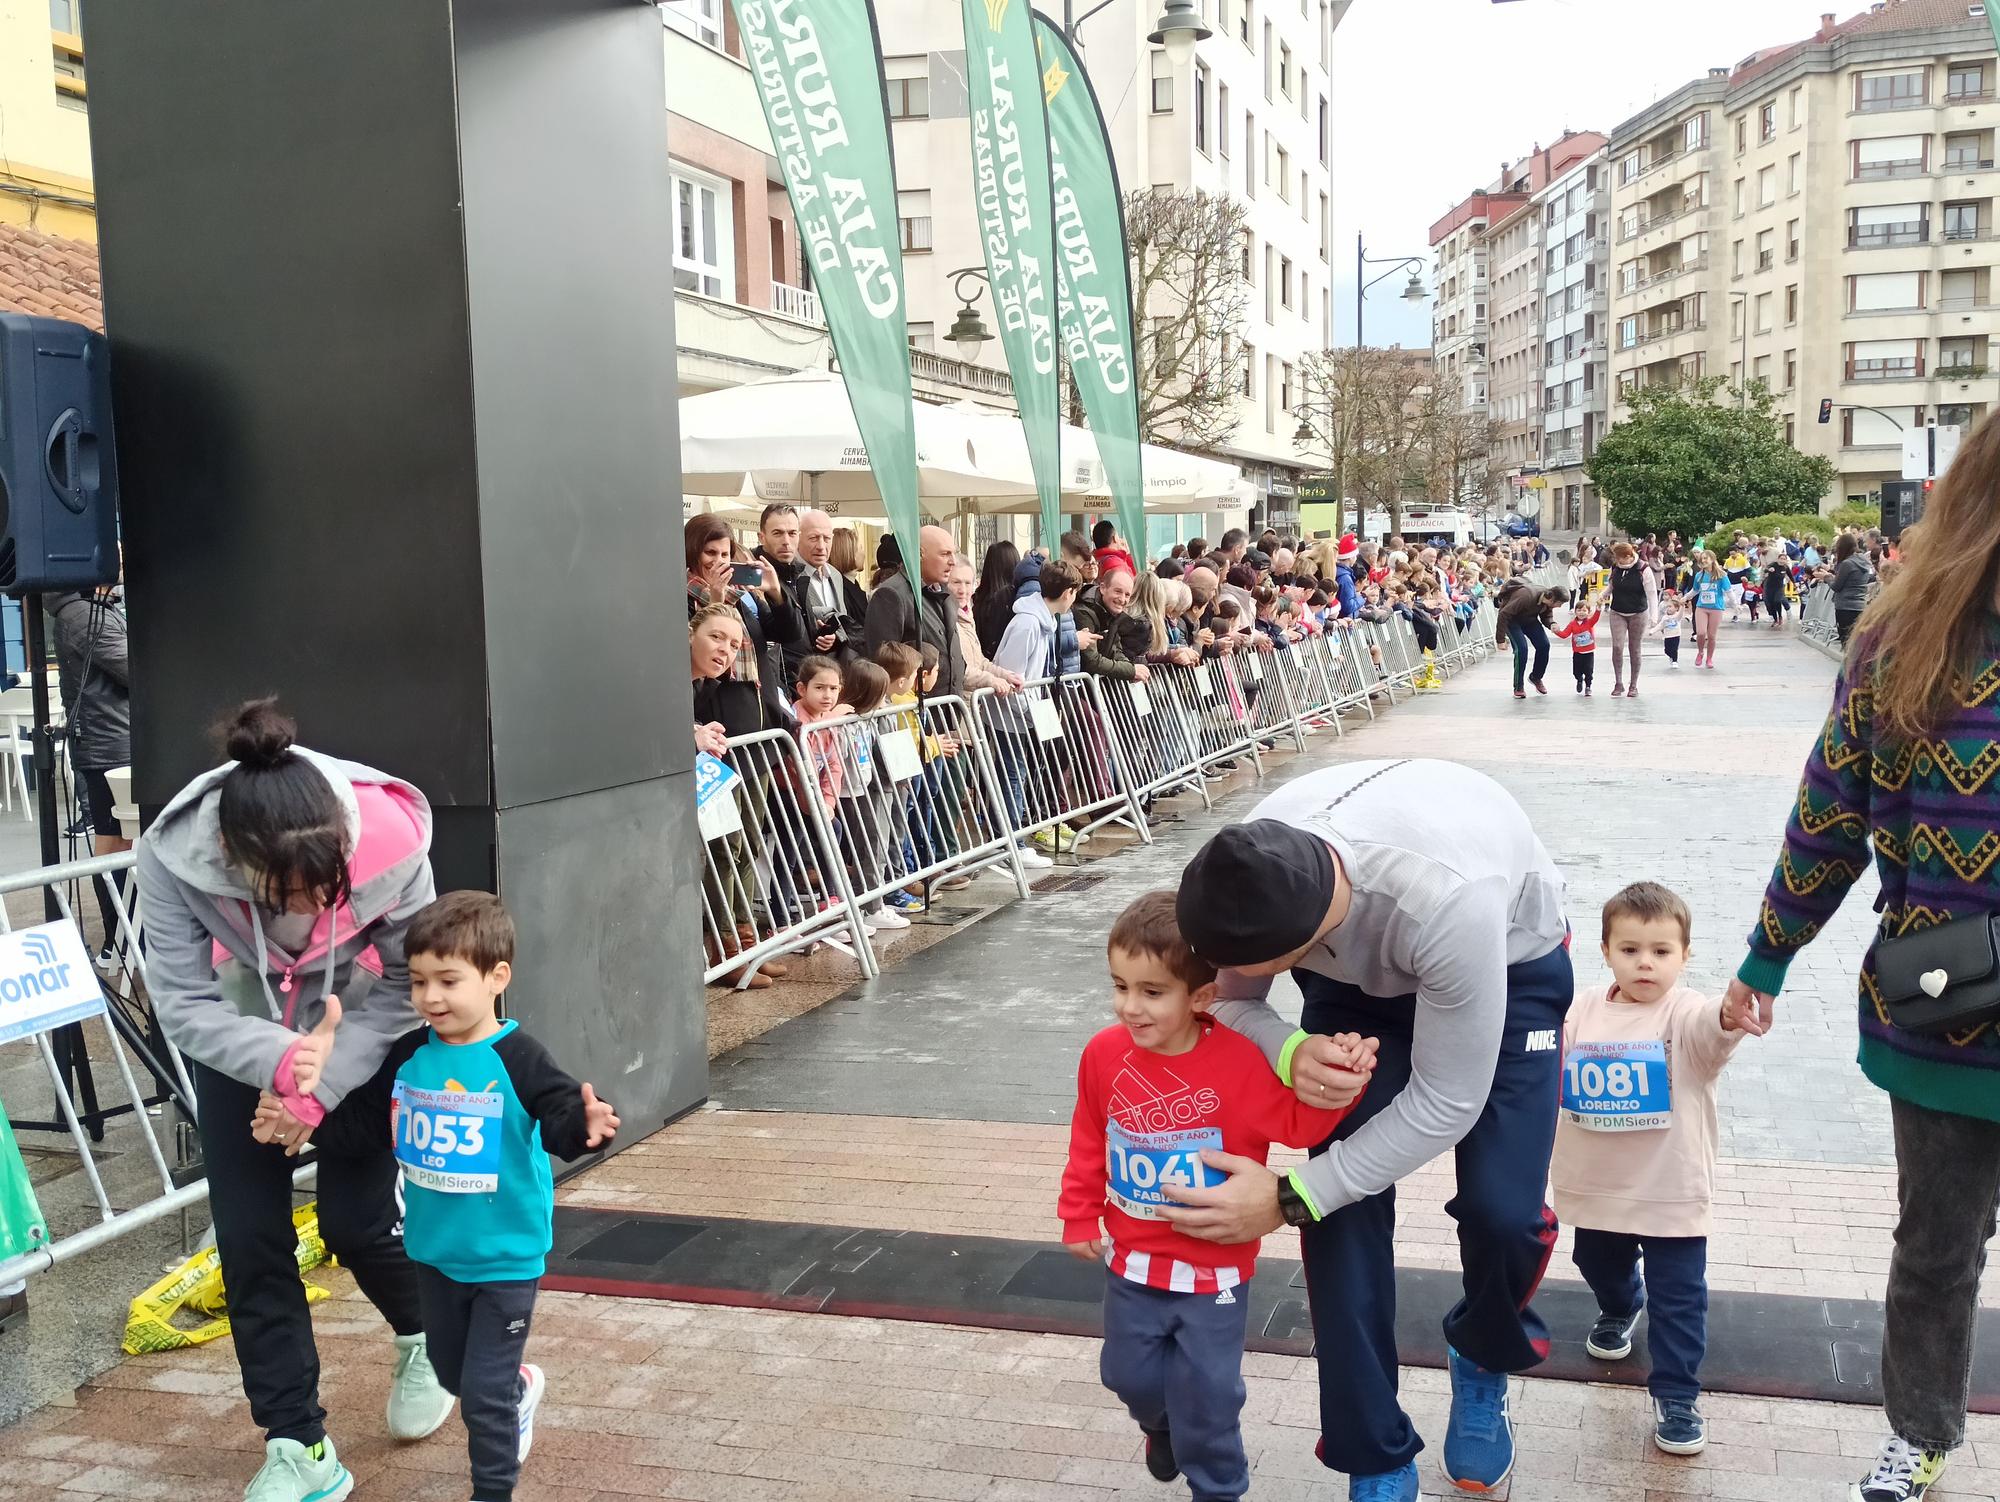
1904, 773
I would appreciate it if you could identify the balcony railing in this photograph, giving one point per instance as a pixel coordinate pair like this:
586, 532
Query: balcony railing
1954, 234
1959, 302
1882, 236
1969, 96
797, 302
1889, 102
1655, 335
1965, 164
1970, 370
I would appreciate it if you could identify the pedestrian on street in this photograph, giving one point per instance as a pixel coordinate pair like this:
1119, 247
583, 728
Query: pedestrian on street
294, 867
1852, 579
1634, 605
1711, 589
1905, 773
1460, 967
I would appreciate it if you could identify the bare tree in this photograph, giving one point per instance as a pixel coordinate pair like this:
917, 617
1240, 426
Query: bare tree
1365, 409
1189, 297
1457, 447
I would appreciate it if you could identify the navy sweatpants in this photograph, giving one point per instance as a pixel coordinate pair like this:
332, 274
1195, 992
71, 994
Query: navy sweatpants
1674, 1293
1176, 1359
1505, 1229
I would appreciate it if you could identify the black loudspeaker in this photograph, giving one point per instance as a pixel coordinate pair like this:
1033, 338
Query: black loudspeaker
58, 470
1902, 506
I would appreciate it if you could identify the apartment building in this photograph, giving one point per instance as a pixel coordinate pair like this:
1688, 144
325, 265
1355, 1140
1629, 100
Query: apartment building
1574, 212
45, 179
1462, 241
1247, 116
1821, 218
1514, 316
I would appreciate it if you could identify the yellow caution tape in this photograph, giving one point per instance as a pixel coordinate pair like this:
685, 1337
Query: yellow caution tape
196, 1287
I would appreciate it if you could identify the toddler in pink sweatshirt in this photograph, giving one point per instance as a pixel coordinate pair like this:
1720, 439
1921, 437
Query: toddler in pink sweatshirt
1634, 1165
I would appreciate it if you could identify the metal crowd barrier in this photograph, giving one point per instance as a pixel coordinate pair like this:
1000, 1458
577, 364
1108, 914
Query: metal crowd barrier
1816, 618
1062, 760
128, 1032
914, 796
773, 880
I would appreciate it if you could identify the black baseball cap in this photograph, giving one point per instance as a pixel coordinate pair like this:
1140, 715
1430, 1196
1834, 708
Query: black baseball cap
1256, 891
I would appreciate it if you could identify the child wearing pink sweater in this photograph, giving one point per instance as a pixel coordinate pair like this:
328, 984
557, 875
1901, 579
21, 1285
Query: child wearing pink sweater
1634, 1164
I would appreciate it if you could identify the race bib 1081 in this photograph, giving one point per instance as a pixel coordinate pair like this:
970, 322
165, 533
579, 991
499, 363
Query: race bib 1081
1618, 1087
449, 1140
1137, 1164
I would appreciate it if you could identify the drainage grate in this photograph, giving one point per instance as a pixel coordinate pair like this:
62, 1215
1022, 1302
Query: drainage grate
1068, 881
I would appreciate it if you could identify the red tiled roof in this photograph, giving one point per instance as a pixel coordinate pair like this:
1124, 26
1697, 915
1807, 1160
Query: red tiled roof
1895, 15
49, 276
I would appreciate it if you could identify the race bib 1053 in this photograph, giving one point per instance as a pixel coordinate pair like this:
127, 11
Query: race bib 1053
449, 1140
1618, 1087
1137, 1164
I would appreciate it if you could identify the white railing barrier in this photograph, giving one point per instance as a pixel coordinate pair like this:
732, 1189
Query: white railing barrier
1816, 618
772, 878
1057, 761
161, 1060
915, 797
1211, 705
1156, 741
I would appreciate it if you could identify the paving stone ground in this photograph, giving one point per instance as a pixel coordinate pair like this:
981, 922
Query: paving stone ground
841, 1115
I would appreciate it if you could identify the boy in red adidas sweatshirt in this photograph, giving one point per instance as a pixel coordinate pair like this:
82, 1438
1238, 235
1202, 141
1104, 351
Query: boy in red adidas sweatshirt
1152, 1093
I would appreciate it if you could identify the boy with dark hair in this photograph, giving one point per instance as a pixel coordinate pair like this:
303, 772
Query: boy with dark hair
474, 1106
1634, 1162
1155, 1094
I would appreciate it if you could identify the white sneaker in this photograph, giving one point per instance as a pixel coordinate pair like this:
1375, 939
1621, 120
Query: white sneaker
418, 1403
533, 1385
292, 1473
882, 918
1034, 860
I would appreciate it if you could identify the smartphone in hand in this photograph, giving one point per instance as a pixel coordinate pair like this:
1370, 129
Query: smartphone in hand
747, 575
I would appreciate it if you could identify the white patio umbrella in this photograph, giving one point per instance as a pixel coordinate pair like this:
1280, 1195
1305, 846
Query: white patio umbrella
795, 439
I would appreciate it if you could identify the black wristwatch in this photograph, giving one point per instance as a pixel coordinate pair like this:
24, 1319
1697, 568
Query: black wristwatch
1292, 1205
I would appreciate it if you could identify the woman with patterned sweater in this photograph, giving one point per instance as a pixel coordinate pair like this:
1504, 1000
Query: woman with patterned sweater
1908, 766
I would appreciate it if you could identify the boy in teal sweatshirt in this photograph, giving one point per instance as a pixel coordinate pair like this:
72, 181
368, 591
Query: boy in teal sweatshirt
474, 1107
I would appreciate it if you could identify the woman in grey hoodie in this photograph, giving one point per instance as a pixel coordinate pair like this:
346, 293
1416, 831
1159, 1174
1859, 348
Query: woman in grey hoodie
270, 885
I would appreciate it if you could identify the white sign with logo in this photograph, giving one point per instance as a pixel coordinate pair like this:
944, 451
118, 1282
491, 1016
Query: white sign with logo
716, 813
45, 980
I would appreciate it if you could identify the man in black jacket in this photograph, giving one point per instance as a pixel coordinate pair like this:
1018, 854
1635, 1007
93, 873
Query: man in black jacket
96, 681
785, 629
831, 604
892, 610
1101, 608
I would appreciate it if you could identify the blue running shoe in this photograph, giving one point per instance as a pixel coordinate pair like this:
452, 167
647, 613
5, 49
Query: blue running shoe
1390, 1486
1479, 1442
903, 902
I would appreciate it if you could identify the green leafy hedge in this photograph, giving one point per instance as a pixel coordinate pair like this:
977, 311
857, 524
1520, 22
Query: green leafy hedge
1778, 524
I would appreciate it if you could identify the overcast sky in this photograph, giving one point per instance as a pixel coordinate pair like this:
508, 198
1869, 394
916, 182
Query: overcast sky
1429, 95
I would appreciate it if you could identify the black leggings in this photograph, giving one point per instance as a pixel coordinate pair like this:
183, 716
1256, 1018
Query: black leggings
1843, 622
250, 1198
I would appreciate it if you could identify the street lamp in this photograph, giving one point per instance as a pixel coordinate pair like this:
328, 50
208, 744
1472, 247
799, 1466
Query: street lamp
1413, 291
968, 331
1178, 29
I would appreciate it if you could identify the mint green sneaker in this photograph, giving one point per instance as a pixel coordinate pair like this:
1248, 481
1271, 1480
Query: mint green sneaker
418, 1402
294, 1473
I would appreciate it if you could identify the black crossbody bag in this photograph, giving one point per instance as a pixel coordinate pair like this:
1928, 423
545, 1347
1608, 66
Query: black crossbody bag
1943, 979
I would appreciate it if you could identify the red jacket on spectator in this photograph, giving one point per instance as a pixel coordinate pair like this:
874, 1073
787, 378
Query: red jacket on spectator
1111, 558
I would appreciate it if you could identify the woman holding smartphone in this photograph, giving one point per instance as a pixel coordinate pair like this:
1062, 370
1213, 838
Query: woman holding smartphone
768, 619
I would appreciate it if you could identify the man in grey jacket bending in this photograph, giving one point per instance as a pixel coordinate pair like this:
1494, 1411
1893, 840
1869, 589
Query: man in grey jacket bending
1412, 901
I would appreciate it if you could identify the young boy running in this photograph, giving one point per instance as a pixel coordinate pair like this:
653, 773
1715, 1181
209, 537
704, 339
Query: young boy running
1151, 1094
474, 1107
1634, 1163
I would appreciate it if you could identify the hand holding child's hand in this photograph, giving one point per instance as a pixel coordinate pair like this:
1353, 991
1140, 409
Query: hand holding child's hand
600, 1121
270, 1110
1745, 1010
1086, 1251
1323, 1075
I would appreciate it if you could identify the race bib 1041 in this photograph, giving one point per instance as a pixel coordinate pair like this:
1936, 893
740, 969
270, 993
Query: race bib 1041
1618, 1087
1138, 1164
448, 1140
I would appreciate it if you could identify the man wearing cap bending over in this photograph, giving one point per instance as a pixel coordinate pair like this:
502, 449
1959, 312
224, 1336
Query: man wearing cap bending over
1412, 902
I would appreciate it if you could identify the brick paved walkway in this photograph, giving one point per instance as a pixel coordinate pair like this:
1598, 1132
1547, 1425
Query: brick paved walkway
838, 1117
